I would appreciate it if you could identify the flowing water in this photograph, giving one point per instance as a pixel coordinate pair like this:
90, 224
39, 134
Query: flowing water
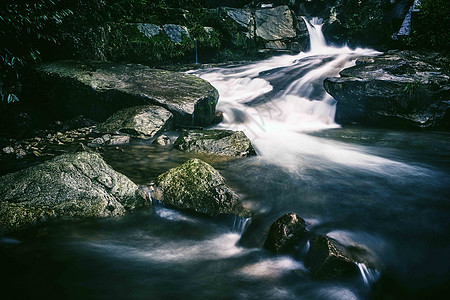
385, 190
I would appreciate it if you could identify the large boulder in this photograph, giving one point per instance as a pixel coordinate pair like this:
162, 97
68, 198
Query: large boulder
397, 89
197, 186
77, 185
220, 142
139, 121
99, 89
286, 233
244, 18
274, 23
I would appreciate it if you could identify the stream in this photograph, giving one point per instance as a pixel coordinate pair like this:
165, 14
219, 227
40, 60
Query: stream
386, 190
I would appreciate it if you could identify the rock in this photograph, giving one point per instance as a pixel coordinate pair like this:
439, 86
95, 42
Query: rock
218, 118
99, 89
243, 17
149, 30
274, 23
176, 32
77, 122
397, 89
119, 140
328, 259
285, 233
140, 121
77, 185
197, 186
8, 150
100, 141
219, 142
162, 140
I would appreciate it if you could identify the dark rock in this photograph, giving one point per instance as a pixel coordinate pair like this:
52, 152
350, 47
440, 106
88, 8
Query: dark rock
286, 233
328, 259
77, 122
75, 185
140, 121
219, 142
218, 118
197, 186
99, 89
397, 89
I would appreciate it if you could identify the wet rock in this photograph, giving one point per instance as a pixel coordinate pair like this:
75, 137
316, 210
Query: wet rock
162, 140
100, 141
99, 89
218, 117
140, 121
274, 23
197, 186
219, 142
397, 89
286, 233
78, 185
243, 17
328, 259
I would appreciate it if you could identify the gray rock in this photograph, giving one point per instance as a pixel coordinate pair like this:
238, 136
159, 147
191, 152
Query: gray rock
75, 185
149, 30
162, 140
275, 23
119, 140
176, 32
219, 142
144, 121
8, 150
100, 141
243, 17
197, 186
397, 89
286, 233
99, 89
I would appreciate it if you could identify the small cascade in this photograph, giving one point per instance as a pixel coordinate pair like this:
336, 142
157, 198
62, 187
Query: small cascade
240, 224
368, 275
316, 37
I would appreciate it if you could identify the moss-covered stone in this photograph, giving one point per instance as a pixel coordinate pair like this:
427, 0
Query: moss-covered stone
220, 142
197, 186
140, 121
99, 89
78, 185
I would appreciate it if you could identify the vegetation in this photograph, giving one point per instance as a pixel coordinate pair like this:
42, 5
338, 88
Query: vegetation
430, 27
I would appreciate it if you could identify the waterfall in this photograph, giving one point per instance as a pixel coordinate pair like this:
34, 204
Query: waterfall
240, 224
368, 275
316, 36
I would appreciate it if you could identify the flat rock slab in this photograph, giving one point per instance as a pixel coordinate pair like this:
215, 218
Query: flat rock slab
77, 185
197, 186
397, 89
99, 89
275, 23
144, 121
219, 142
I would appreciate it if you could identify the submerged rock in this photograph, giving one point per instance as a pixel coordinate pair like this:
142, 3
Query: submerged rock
162, 140
285, 233
328, 259
220, 142
197, 186
140, 121
75, 185
397, 89
99, 89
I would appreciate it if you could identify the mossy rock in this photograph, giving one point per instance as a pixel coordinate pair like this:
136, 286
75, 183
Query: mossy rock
197, 186
140, 121
77, 185
219, 142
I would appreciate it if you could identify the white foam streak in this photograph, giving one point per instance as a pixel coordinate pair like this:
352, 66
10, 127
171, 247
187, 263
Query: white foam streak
272, 268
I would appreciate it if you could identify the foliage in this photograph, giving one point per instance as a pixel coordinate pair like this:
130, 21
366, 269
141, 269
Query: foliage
24, 26
430, 27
